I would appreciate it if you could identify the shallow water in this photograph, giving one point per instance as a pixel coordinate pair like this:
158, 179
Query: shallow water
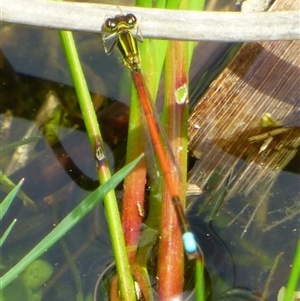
238, 266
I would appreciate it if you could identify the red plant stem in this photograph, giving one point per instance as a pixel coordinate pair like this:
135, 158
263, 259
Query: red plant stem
134, 186
170, 259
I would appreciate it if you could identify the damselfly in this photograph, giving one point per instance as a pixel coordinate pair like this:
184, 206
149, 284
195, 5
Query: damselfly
119, 29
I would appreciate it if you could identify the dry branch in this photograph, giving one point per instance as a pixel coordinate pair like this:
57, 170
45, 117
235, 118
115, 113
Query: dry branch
157, 23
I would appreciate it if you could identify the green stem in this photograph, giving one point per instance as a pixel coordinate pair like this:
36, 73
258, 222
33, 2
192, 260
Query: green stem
199, 279
294, 275
126, 285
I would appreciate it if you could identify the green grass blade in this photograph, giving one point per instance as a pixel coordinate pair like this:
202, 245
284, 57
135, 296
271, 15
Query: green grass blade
9, 198
7, 231
8, 185
66, 224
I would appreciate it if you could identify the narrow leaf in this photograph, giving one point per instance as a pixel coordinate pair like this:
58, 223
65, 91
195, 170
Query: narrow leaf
66, 224
9, 198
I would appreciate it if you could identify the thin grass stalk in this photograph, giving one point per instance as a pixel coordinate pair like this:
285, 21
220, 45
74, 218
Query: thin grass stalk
126, 285
199, 281
294, 275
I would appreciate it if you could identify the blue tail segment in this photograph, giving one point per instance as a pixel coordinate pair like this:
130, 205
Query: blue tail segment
191, 247
189, 241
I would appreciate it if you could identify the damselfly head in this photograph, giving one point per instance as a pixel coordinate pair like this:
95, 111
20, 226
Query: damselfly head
120, 23
114, 28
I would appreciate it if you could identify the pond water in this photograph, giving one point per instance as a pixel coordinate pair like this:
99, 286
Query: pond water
240, 261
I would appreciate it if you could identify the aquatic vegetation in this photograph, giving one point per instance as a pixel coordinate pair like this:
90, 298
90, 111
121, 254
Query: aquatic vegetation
29, 285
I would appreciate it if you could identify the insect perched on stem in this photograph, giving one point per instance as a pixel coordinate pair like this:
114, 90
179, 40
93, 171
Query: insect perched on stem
118, 30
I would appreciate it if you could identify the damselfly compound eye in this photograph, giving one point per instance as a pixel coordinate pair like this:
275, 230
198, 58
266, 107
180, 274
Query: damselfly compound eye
110, 24
130, 19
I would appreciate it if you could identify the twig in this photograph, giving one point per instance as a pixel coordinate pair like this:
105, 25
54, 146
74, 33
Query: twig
157, 23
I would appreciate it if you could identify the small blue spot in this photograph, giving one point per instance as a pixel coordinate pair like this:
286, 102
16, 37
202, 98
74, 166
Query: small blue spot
189, 242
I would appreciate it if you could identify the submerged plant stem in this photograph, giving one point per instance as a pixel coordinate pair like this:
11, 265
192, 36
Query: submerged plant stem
269, 280
69, 259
